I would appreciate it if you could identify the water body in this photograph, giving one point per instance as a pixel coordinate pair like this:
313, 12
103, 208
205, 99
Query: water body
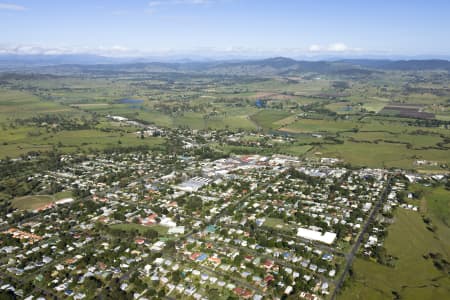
130, 101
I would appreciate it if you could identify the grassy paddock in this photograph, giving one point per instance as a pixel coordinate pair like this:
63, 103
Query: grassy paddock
268, 119
36, 201
382, 154
413, 277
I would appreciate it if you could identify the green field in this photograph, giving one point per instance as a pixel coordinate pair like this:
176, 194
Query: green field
413, 277
36, 201
268, 119
22, 140
141, 228
325, 125
435, 203
17, 104
415, 140
296, 105
381, 154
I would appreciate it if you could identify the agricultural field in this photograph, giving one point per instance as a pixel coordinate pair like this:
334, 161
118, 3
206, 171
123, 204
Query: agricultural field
319, 126
346, 115
22, 140
186, 123
18, 105
271, 119
382, 154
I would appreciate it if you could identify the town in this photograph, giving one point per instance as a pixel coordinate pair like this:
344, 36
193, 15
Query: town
145, 225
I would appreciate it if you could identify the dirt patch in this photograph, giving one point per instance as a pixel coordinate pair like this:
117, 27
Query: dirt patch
406, 110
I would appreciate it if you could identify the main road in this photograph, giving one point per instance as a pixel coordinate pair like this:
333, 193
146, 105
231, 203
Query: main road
351, 255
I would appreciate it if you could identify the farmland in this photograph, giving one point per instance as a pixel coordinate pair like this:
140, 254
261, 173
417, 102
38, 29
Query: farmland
350, 122
234, 160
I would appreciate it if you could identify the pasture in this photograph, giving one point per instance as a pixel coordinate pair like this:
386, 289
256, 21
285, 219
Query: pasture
22, 140
413, 276
320, 125
388, 155
268, 119
19, 105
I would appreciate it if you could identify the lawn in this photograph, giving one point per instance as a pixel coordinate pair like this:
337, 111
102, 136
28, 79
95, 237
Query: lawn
36, 201
274, 222
141, 228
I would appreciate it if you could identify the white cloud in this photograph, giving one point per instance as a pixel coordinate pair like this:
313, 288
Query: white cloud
10, 6
334, 47
338, 47
315, 48
114, 51
198, 52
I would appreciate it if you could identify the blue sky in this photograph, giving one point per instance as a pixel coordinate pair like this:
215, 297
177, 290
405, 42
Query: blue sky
226, 27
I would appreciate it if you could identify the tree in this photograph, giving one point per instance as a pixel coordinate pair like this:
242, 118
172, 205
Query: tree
176, 276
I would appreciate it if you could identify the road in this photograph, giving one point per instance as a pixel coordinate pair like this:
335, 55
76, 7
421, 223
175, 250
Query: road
298, 239
351, 255
279, 261
39, 291
237, 205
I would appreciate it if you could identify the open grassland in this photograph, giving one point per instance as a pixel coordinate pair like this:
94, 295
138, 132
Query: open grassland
268, 119
381, 154
413, 276
141, 228
36, 201
295, 150
20, 105
200, 121
435, 203
343, 107
20, 141
324, 125
277, 86
416, 141
211, 103
375, 104
224, 117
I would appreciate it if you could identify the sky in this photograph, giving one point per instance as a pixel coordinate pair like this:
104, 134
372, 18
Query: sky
217, 28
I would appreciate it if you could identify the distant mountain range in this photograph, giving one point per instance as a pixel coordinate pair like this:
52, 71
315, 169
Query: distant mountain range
267, 67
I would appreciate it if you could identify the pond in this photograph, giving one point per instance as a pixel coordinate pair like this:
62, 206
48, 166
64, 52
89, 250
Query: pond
130, 101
